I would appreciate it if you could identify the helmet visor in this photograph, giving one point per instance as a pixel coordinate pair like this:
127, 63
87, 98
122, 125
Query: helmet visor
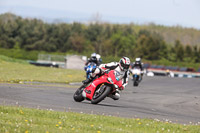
126, 67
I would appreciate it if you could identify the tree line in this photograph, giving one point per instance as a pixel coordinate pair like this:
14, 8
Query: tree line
113, 40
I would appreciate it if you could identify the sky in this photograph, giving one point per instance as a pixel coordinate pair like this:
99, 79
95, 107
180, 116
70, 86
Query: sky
185, 13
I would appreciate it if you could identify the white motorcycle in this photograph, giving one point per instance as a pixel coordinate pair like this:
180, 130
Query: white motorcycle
137, 77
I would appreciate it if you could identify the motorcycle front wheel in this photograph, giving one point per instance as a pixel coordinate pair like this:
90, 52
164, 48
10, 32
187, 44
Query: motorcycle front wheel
135, 83
100, 94
78, 94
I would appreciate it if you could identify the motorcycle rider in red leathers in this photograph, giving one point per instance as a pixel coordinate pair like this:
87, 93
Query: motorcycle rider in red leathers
122, 67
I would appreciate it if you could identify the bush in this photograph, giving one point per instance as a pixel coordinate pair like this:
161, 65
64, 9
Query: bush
20, 54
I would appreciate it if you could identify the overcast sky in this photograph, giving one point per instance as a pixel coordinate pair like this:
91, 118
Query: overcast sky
185, 13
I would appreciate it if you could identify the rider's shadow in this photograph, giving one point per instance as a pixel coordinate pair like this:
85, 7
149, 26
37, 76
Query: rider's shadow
106, 105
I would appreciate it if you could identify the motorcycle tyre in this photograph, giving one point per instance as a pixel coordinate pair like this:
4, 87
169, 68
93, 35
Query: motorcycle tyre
78, 94
101, 97
135, 83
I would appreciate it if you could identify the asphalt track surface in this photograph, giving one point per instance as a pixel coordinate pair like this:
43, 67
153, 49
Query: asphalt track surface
166, 99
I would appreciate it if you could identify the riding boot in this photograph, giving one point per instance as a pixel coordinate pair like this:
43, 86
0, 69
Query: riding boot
115, 95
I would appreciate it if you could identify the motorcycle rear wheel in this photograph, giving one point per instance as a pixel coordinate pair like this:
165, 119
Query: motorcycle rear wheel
78, 94
104, 91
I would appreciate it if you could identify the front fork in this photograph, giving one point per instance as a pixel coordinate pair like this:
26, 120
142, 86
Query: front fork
135, 77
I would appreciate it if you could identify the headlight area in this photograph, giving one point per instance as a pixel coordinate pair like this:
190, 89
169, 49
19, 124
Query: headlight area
110, 80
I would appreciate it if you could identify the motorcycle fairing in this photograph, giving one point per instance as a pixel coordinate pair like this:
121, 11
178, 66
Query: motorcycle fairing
92, 87
89, 91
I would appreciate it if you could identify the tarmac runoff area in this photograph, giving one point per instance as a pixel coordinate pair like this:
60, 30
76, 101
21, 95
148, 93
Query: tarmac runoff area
174, 100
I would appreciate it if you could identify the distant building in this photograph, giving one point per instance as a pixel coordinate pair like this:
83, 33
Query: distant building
61, 61
75, 62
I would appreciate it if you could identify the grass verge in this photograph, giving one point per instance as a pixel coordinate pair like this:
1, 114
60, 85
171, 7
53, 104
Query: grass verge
18, 71
24, 120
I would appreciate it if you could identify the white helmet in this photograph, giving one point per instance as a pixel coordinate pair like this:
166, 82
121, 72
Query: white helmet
124, 63
138, 59
94, 55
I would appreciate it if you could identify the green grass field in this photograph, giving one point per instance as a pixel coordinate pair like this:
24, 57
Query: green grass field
24, 120
18, 71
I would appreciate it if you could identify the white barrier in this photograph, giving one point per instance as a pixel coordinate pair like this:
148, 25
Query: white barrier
173, 73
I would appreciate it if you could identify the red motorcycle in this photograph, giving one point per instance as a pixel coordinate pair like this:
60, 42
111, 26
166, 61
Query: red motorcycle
100, 88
